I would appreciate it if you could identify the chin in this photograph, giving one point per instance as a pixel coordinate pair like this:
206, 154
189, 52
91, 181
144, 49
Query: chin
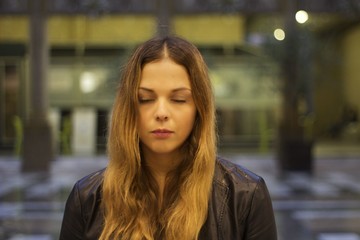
163, 150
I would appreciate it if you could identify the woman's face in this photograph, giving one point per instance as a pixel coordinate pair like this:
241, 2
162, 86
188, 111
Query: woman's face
166, 107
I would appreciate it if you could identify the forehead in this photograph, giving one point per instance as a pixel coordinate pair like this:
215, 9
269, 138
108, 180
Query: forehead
164, 73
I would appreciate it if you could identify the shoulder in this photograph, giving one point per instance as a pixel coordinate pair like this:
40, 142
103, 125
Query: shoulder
87, 193
238, 180
92, 180
82, 215
227, 171
241, 199
89, 187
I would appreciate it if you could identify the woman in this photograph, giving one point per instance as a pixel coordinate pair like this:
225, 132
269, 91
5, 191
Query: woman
163, 180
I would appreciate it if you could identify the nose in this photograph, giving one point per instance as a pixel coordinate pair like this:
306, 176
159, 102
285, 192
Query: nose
162, 111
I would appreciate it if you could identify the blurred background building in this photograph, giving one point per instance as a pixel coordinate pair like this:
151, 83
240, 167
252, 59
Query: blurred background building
248, 45
285, 73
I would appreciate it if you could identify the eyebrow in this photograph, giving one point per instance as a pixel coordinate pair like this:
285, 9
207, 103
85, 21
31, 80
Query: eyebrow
174, 90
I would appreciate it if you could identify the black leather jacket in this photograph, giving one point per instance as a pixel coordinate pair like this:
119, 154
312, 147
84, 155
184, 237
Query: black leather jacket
240, 207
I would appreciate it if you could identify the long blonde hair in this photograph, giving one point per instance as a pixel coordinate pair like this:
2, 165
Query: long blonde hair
129, 192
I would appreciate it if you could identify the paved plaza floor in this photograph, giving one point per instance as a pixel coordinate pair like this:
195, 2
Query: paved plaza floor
324, 206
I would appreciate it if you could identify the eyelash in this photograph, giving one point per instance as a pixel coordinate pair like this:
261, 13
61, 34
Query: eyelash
146, 100
179, 100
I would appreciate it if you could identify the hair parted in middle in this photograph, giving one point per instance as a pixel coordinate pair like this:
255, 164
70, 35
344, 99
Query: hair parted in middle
129, 192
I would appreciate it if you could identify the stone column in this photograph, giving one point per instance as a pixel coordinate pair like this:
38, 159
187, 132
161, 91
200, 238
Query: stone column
164, 17
38, 147
294, 144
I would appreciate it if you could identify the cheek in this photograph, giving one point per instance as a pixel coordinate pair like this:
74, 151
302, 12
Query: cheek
190, 119
143, 115
140, 124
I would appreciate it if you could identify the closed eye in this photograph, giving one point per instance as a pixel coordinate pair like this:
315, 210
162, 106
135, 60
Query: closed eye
179, 100
145, 100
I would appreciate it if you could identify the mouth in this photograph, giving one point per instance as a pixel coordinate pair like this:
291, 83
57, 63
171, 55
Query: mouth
162, 133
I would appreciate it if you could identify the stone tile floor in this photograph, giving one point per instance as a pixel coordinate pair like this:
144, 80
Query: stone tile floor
325, 206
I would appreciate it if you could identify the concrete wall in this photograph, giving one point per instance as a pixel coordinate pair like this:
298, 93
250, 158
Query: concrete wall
80, 29
212, 29
329, 91
351, 70
125, 30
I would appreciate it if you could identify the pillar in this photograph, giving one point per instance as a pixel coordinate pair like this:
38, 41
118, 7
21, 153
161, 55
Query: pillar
294, 144
38, 147
164, 17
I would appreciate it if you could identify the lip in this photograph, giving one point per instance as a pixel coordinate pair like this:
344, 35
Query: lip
162, 133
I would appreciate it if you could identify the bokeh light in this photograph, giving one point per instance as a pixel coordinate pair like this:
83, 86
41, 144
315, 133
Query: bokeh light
301, 16
279, 34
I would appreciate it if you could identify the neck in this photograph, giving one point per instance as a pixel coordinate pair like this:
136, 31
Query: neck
160, 165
